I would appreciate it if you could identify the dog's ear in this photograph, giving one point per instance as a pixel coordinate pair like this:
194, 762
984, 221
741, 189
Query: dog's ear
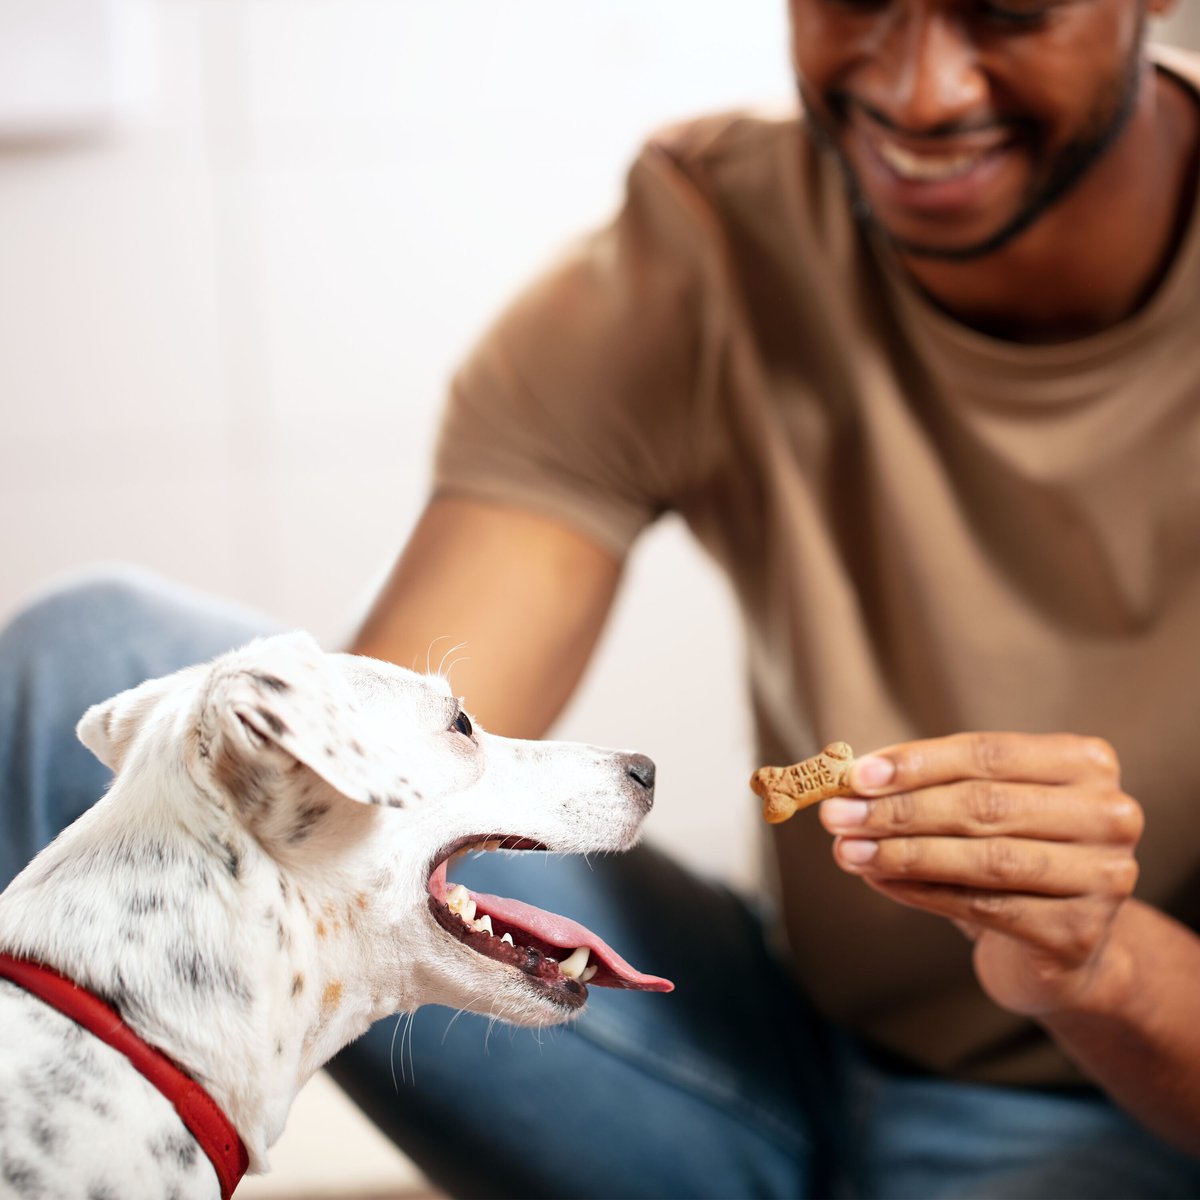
107, 729
283, 694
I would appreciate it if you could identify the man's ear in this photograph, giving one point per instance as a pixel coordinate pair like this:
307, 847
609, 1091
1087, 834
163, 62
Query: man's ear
281, 698
108, 729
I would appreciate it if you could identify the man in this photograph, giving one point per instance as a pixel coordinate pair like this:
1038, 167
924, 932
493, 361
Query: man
920, 371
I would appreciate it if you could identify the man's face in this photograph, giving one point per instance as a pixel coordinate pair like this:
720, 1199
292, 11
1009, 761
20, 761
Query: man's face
960, 122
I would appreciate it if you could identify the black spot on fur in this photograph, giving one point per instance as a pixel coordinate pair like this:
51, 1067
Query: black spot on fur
101, 1191
142, 903
176, 1148
66, 1079
278, 1049
297, 985
199, 975
22, 1177
395, 802
306, 819
274, 722
46, 1137
230, 855
417, 795
270, 681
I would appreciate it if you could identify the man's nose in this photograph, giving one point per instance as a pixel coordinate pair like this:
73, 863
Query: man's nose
929, 73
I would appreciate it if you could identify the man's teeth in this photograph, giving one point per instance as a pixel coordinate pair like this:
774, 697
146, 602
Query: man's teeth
575, 966
926, 168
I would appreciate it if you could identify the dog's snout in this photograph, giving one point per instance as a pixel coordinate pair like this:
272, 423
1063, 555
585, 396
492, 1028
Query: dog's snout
641, 769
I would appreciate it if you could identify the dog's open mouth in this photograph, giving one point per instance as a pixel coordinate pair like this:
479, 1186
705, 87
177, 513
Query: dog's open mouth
555, 952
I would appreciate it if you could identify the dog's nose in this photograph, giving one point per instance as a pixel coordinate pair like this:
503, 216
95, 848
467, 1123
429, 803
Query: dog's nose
641, 768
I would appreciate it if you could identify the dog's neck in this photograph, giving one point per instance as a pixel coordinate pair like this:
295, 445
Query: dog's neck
247, 974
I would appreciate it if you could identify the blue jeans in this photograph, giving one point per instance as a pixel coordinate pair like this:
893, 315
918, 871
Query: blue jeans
730, 1087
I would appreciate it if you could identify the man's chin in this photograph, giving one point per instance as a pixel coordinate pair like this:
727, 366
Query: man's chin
940, 247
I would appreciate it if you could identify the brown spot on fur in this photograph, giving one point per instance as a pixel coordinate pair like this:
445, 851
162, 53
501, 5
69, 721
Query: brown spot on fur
320, 927
331, 997
297, 985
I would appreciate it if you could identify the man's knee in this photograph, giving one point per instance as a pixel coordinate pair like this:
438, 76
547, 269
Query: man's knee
121, 624
76, 609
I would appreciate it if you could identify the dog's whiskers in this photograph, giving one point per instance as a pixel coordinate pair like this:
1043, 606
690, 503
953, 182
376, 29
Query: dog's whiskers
392, 1053
442, 665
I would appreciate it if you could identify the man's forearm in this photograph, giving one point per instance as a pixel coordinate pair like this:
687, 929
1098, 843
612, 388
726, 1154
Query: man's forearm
1139, 1037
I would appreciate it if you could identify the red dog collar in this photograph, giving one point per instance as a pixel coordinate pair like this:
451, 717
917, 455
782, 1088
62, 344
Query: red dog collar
196, 1108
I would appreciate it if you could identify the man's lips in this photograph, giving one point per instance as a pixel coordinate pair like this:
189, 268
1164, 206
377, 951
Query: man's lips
951, 170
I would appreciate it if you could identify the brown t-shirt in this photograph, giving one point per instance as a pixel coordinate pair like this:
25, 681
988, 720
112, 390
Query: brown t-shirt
928, 530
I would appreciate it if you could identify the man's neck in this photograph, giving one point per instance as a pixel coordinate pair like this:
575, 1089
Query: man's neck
1097, 256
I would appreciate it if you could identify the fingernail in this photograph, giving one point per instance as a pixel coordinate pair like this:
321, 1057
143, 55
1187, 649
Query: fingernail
872, 772
844, 814
857, 852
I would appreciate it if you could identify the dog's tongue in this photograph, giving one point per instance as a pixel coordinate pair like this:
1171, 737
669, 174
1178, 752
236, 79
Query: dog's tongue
557, 931
561, 931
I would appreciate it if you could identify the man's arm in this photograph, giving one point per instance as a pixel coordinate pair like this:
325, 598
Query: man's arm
525, 595
1138, 1037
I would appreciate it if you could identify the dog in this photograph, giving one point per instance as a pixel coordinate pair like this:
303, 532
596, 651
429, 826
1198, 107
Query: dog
264, 879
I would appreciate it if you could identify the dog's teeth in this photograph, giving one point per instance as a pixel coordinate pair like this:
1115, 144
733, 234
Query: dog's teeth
493, 844
575, 965
484, 924
467, 912
507, 938
457, 898
589, 974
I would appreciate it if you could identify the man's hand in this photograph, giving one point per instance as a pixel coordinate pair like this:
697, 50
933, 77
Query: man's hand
1025, 841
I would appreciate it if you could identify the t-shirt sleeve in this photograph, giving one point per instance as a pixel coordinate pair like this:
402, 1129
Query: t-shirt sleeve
577, 403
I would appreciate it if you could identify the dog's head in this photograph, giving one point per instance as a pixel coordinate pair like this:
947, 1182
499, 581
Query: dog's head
352, 783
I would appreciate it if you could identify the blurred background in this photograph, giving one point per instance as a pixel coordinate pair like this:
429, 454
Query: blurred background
243, 244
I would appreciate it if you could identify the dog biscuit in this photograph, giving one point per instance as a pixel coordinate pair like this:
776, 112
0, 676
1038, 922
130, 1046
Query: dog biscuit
786, 790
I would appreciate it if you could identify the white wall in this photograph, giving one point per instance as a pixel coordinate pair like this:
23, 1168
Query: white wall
226, 320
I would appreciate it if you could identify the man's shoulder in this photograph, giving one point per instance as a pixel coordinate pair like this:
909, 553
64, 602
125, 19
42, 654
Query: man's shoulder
713, 145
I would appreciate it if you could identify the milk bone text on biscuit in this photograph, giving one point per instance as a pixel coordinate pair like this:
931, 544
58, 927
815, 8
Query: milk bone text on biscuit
786, 790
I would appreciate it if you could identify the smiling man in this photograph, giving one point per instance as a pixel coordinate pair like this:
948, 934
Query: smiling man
920, 369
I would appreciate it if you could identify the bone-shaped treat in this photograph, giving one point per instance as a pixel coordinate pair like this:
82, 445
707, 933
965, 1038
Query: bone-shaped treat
786, 790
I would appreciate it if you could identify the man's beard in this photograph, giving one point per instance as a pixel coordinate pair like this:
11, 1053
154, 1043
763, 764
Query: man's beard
1110, 115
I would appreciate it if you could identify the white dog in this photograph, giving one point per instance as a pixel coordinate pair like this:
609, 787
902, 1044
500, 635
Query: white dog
265, 878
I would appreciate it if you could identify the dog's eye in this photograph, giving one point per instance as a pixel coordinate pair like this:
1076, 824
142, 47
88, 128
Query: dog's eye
463, 724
